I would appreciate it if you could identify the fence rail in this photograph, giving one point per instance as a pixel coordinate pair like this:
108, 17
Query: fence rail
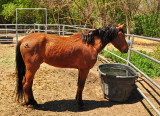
14, 30
63, 30
129, 63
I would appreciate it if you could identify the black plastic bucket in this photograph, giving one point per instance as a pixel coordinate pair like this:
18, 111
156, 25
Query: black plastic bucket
117, 81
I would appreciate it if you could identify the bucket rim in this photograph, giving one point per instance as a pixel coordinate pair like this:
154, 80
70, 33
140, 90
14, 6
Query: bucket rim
130, 68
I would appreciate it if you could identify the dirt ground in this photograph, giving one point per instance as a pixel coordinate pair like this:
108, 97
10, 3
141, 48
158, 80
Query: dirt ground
55, 90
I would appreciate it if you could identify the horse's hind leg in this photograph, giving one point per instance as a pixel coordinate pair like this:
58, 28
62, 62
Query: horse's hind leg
81, 82
27, 86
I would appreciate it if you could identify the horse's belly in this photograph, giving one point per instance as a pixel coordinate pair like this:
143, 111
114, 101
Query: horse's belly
62, 63
71, 62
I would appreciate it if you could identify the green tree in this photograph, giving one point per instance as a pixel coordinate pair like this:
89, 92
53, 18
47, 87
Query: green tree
24, 16
147, 20
130, 8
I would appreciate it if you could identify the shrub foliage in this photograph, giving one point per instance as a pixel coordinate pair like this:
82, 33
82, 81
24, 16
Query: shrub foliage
149, 67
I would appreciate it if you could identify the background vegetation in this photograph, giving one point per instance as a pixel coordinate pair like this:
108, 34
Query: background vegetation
145, 65
141, 17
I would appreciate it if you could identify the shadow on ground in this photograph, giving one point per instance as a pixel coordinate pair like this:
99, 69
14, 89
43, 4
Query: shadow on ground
71, 105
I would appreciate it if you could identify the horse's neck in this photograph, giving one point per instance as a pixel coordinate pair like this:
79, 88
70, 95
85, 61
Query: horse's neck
98, 44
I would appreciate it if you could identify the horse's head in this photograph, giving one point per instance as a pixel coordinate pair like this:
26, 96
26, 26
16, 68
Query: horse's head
114, 34
119, 41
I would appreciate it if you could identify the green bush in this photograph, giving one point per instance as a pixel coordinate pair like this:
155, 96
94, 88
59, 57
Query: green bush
149, 67
145, 25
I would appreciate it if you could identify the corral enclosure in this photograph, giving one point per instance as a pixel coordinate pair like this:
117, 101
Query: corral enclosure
55, 90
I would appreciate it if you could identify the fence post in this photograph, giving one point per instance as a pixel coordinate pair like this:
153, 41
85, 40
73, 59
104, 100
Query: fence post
34, 27
25, 30
59, 30
38, 28
129, 53
16, 28
46, 21
6, 30
63, 30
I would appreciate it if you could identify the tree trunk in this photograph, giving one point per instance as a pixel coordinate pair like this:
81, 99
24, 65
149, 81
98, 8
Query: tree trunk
104, 20
70, 16
83, 13
104, 14
156, 17
128, 26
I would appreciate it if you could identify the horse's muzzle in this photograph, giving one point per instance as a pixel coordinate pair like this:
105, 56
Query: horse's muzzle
125, 50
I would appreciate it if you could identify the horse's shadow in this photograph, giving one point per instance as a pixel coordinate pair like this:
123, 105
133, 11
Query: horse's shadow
71, 105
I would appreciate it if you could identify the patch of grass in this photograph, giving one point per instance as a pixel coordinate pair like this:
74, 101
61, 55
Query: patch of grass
149, 67
156, 52
7, 59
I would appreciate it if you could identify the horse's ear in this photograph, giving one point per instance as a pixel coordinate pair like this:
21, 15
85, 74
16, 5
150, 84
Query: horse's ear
120, 26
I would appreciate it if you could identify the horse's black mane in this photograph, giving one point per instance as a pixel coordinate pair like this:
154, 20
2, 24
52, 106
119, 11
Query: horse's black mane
106, 34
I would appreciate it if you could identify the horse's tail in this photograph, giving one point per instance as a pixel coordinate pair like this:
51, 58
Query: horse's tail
20, 72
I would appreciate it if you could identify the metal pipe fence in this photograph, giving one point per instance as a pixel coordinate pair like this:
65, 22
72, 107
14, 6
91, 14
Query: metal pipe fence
131, 49
129, 63
64, 30
13, 30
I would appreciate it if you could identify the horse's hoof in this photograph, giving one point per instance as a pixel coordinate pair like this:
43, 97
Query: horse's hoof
81, 106
30, 106
35, 105
80, 103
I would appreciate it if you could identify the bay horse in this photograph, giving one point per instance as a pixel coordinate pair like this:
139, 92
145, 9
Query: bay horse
78, 51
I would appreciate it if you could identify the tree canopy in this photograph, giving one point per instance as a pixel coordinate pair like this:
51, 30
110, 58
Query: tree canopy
139, 16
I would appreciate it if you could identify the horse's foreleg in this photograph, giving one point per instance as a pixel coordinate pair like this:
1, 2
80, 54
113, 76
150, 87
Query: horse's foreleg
81, 82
